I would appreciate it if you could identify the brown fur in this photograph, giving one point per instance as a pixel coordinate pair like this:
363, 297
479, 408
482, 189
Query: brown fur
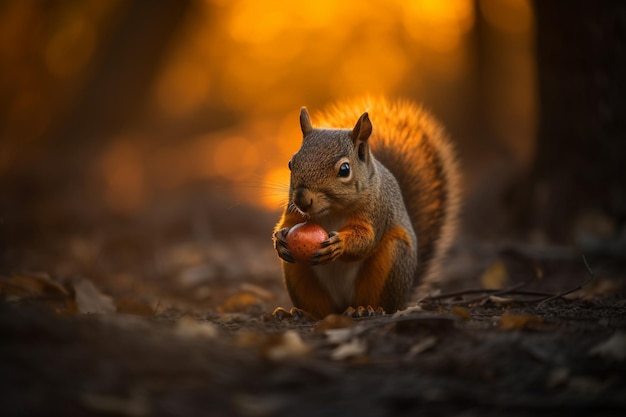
415, 148
407, 187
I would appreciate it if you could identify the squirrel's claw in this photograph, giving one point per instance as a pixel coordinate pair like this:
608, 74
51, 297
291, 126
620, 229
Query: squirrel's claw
280, 244
332, 249
295, 314
362, 311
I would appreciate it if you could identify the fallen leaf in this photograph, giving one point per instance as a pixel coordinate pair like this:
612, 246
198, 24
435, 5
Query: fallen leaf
229, 318
196, 275
495, 277
285, 346
511, 321
461, 312
334, 321
191, 328
239, 302
500, 301
257, 290
134, 306
421, 346
337, 336
90, 300
33, 285
612, 348
249, 339
407, 311
354, 347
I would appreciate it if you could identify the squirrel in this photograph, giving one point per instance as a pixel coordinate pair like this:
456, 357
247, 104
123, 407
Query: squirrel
387, 193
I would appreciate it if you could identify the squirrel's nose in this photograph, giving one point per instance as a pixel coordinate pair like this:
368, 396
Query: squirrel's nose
302, 199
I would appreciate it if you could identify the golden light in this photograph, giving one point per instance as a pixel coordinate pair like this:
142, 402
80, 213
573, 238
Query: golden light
122, 169
275, 188
261, 61
183, 88
236, 158
70, 48
512, 16
439, 25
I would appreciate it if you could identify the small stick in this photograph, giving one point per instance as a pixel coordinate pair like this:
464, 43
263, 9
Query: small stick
511, 290
545, 297
578, 287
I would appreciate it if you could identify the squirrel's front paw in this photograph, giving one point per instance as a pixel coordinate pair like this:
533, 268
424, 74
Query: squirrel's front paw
280, 244
332, 249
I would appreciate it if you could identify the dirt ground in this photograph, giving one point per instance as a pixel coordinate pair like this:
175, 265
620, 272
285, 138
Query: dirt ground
169, 314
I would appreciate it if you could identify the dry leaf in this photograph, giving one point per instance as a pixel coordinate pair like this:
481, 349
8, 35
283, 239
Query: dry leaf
500, 301
239, 302
191, 328
495, 277
511, 321
334, 321
612, 348
422, 346
461, 312
285, 346
90, 300
134, 306
350, 349
257, 290
248, 339
337, 336
407, 311
34, 285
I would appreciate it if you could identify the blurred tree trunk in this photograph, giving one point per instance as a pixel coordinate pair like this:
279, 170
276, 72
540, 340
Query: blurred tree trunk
580, 159
129, 52
126, 65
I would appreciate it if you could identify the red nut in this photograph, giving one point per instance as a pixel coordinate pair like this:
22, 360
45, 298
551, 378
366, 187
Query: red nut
304, 239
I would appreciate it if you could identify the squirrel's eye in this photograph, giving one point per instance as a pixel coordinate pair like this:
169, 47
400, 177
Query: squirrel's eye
289, 165
344, 170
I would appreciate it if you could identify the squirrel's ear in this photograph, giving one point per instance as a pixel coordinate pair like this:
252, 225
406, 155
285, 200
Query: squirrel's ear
305, 122
362, 130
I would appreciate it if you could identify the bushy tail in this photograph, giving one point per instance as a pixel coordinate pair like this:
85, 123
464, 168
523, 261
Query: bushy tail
415, 148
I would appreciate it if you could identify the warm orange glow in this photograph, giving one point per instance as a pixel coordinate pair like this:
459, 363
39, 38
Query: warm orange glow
122, 170
266, 54
276, 188
513, 16
236, 158
183, 88
231, 76
69, 50
266, 59
439, 25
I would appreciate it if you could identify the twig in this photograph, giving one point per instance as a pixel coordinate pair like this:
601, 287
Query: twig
495, 293
470, 291
154, 312
544, 297
578, 287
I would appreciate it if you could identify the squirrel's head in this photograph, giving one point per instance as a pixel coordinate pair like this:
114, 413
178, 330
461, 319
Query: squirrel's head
333, 169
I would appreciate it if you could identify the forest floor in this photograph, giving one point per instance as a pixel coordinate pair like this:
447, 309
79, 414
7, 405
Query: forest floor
169, 314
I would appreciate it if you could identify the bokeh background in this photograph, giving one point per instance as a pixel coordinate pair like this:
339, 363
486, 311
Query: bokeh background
139, 136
